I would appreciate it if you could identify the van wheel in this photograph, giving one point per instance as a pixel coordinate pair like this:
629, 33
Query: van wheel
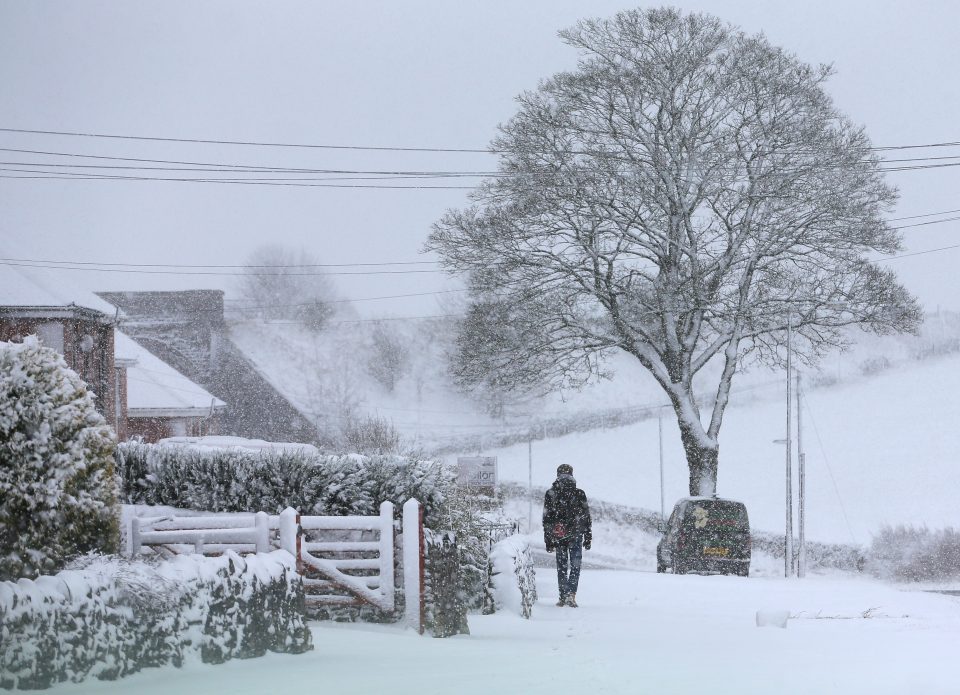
743, 571
679, 567
661, 568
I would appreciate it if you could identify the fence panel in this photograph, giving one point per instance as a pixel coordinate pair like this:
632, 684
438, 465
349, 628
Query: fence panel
347, 560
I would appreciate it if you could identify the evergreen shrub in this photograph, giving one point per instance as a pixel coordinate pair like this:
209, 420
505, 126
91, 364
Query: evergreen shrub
58, 492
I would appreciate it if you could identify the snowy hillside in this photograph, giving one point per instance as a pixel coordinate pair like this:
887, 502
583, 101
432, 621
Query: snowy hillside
880, 428
879, 450
327, 375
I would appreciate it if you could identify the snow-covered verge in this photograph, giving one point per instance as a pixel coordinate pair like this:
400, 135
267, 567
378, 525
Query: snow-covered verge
635, 632
113, 617
512, 577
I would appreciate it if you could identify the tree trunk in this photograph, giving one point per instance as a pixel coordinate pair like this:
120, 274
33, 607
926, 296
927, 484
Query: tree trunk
702, 460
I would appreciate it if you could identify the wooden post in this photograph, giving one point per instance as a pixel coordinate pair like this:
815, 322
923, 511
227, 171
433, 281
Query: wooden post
290, 534
413, 564
301, 568
387, 572
134, 539
423, 571
261, 523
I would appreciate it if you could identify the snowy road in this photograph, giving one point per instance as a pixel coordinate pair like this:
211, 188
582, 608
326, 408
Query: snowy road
635, 632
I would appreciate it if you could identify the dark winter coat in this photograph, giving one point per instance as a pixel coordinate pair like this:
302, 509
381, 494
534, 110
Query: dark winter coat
566, 504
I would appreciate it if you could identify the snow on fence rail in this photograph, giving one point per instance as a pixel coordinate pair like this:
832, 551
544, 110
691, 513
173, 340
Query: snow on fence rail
339, 568
206, 535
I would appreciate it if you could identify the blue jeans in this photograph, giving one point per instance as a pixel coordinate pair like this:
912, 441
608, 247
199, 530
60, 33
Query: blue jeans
569, 555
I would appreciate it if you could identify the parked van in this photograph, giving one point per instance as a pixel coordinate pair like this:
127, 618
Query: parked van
706, 535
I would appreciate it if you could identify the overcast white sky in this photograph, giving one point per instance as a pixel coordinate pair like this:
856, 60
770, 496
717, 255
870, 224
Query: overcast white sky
408, 74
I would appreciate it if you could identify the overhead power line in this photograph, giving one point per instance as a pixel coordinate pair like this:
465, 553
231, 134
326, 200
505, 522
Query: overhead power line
917, 253
218, 265
359, 181
928, 214
224, 167
108, 266
373, 148
15, 263
66, 176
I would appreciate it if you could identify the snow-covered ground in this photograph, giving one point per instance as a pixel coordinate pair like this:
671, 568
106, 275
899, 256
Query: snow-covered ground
635, 632
879, 450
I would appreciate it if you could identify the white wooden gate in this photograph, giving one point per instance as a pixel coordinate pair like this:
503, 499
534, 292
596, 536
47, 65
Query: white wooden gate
344, 560
351, 571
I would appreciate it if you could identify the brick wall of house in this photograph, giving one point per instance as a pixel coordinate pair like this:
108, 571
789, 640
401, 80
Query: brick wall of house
153, 429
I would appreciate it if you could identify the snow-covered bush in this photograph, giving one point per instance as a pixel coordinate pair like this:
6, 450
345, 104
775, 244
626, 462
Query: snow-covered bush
236, 480
372, 434
58, 493
912, 554
114, 617
513, 582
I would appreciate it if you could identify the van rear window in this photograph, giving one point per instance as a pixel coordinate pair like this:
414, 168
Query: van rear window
716, 515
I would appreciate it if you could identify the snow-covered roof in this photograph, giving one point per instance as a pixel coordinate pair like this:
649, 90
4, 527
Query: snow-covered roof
23, 286
155, 389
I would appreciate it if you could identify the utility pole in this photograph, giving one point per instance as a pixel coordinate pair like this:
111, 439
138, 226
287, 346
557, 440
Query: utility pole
530, 484
788, 534
663, 508
802, 458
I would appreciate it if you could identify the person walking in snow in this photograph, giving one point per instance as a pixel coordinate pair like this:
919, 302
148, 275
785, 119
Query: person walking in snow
567, 529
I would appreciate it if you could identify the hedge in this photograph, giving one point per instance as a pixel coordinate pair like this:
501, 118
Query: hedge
115, 617
238, 480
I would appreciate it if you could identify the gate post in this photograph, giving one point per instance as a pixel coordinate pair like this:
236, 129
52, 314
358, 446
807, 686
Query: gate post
413, 564
262, 524
288, 531
387, 571
134, 538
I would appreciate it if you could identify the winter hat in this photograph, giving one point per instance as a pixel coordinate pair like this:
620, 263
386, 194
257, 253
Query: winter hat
564, 469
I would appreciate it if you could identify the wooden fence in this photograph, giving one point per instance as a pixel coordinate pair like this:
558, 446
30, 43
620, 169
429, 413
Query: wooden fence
344, 560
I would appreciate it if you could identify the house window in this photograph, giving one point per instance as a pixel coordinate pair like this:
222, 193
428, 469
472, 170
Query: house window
51, 335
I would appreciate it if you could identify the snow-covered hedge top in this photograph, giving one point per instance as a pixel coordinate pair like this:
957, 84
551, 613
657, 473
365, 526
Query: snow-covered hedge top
113, 617
110, 576
212, 442
241, 480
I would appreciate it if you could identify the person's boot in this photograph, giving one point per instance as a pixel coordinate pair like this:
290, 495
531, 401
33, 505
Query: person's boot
572, 601
562, 602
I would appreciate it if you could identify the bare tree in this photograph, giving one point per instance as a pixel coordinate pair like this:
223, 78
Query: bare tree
390, 357
682, 196
279, 282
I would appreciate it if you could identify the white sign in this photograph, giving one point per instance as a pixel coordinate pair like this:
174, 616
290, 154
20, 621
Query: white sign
477, 471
